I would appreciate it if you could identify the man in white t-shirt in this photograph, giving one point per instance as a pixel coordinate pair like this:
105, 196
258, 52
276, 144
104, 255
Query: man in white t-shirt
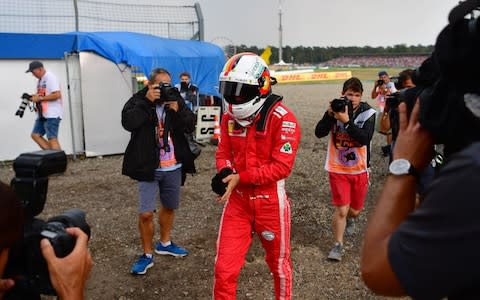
49, 106
381, 89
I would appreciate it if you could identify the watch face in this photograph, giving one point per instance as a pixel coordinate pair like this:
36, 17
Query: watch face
399, 167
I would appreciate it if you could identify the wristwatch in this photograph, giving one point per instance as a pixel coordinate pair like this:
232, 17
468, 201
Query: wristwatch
402, 167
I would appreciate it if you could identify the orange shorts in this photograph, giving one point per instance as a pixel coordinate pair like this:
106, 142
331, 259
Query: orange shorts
349, 189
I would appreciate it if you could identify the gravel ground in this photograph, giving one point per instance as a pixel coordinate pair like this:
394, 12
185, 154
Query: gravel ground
110, 200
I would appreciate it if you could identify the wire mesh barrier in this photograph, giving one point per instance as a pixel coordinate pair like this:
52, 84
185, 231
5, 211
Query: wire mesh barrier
57, 16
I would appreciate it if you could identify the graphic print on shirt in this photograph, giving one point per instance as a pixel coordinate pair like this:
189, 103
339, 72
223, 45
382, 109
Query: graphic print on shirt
167, 159
42, 91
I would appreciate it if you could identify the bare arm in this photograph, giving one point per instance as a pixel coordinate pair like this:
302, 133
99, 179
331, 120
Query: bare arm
396, 201
374, 91
52, 97
69, 274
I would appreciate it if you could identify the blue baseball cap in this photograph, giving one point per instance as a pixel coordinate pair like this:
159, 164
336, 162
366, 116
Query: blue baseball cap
382, 73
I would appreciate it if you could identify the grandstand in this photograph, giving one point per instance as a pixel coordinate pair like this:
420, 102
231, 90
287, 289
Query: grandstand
388, 61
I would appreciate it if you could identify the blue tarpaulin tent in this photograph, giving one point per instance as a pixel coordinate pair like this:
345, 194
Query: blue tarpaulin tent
94, 83
204, 61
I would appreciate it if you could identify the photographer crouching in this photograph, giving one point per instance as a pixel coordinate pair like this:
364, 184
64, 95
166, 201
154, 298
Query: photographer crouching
431, 252
68, 275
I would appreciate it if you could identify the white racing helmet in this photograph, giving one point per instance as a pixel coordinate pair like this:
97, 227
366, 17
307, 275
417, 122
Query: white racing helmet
245, 84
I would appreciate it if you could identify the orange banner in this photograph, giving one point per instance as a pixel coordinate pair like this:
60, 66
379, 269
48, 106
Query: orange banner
313, 76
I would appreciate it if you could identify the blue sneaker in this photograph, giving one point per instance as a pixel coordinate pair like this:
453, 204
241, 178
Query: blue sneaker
171, 249
141, 266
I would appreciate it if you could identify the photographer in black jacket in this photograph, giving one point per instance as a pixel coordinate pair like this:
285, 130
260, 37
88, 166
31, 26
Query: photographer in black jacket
158, 157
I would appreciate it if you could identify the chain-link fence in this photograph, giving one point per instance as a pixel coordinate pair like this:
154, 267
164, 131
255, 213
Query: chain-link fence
58, 16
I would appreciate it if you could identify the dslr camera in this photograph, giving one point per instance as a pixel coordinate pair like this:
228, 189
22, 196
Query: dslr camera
380, 82
168, 93
393, 100
339, 105
26, 264
26, 98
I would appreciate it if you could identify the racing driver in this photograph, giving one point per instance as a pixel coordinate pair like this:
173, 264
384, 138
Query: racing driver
258, 143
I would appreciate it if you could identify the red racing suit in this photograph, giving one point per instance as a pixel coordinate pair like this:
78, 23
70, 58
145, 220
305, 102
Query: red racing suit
259, 204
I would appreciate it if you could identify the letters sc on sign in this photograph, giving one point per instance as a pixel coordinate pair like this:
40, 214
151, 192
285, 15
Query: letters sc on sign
206, 121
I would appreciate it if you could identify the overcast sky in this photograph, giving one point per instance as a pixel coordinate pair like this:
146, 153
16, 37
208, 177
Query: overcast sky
326, 22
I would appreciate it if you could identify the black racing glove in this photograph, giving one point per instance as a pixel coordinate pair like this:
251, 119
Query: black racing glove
218, 186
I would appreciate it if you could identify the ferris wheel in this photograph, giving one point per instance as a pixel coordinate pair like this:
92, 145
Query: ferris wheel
227, 44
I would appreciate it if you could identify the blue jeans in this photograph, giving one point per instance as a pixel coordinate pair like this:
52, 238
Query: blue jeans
48, 126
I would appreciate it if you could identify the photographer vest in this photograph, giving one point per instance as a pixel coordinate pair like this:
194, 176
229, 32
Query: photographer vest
344, 154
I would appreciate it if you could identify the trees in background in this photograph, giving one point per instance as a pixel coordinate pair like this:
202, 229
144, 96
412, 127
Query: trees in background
316, 55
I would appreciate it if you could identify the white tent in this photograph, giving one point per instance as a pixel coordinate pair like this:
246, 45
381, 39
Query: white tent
94, 87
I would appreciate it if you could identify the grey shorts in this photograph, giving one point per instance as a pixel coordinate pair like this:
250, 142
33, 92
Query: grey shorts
167, 183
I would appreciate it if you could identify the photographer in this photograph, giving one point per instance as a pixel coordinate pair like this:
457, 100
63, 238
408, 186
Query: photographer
158, 157
381, 89
431, 252
68, 275
389, 117
351, 128
49, 106
188, 91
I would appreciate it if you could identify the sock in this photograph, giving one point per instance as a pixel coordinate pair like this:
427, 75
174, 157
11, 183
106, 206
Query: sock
166, 244
149, 255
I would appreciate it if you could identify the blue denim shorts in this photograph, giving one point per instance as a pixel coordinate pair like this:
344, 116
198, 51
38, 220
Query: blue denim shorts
48, 126
167, 183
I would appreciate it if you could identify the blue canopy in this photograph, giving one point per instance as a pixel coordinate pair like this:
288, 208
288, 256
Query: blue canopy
204, 61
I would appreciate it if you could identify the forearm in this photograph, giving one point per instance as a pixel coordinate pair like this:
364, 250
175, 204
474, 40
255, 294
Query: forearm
361, 135
324, 126
51, 97
395, 202
374, 92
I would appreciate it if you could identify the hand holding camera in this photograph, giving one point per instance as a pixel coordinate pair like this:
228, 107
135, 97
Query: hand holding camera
69, 274
27, 262
164, 93
342, 109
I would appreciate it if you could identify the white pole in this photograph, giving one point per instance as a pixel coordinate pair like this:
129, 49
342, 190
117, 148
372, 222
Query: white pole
70, 109
280, 46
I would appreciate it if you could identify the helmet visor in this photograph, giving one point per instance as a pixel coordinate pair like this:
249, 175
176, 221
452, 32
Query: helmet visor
238, 93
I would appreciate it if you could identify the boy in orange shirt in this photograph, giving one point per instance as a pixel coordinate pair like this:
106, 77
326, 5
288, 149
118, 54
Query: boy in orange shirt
351, 124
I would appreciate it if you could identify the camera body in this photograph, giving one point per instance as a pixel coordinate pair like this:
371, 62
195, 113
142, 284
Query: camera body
340, 104
26, 264
380, 82
168, 92
393, 100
